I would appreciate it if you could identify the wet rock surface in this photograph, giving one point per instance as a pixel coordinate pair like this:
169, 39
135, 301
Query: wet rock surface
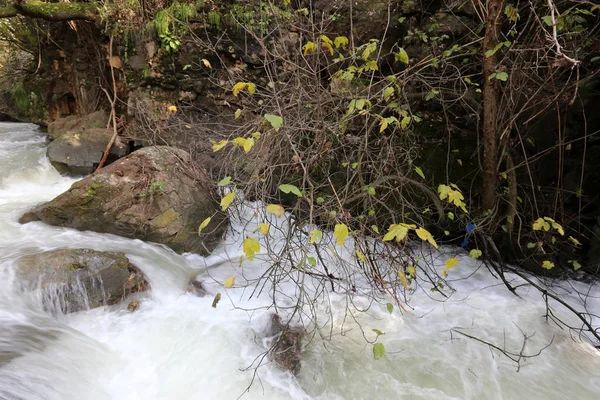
286, 350
72, 280
155, 194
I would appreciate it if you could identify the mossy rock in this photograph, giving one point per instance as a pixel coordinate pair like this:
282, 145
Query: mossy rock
156, 194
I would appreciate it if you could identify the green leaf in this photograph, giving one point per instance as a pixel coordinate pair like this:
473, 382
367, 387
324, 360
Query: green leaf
225, 181
377, 331
575, 264
378, 350
402, 56
475, 253
375, 228
388, 92
502, 76
312, 261
315, 236
547, 20
450, 215
275, 121
390, 307
419, 172
290, 189
405, 121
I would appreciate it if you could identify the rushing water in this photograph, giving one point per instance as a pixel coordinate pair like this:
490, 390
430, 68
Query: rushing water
177, 346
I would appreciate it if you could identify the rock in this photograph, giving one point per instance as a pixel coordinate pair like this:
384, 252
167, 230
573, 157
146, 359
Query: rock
79, 279
156, 194
72, 124
78, 143
80, 153
287, 347
134, 305
196, 288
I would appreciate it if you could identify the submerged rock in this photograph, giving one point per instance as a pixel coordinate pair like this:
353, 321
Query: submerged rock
74, 280
287, 348
78, 143
195, 287
156, 194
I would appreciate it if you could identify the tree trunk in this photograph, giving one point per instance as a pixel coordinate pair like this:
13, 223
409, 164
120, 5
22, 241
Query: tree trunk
491, 94
51, 11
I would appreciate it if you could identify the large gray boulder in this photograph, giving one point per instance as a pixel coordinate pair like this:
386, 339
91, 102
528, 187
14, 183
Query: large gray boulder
156, 194
72, 280
78, 143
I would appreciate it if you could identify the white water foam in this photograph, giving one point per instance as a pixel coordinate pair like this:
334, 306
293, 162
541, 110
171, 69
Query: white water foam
177, 346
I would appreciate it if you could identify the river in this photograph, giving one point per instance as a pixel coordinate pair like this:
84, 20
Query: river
177, 346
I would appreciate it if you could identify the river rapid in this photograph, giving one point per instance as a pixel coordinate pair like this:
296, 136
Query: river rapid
177, 346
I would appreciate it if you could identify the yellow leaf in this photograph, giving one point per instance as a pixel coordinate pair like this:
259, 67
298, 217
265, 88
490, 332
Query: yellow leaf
383, 125
275, 209
411, 271
547, 264
325, 39
206, 63
396, 231
309, 47
246, 144
256, 135
237, 114
264, 228
424, 235
341, 233
327, 47
229, 282
219, 145
340, 41
172, 108
403, 280
315, 236
227, 200
450, 263
540, 224
238, 87
204, 224
361, 256
251, 247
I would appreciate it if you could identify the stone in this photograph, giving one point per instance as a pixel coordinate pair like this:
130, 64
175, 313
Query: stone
80, 153
156, 194
73, 280
286, 350
195, 287
78, 143
73, 124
